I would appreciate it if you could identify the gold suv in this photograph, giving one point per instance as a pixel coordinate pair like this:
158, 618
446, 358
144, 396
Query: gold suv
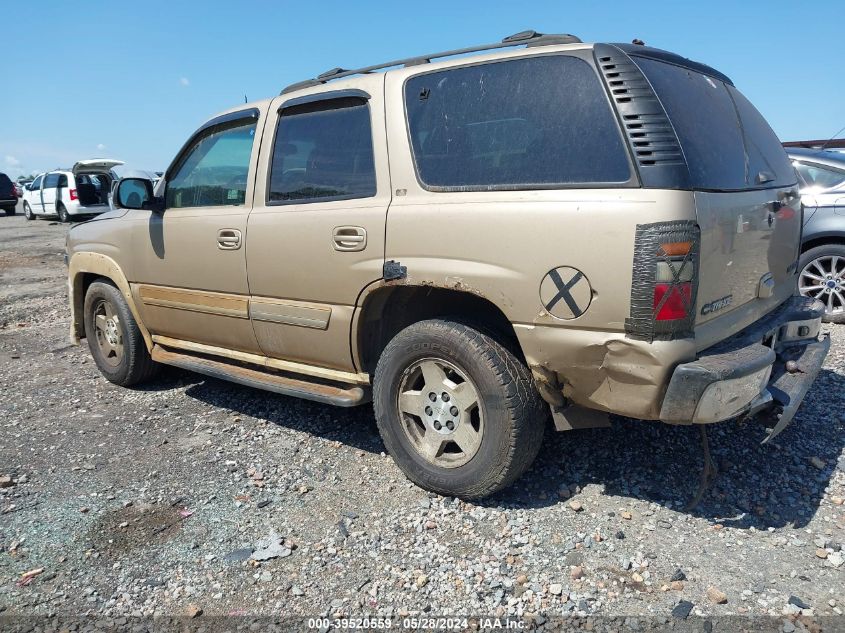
472, 240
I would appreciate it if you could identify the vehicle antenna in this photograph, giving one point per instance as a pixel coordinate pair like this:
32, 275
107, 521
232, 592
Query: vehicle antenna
842, 129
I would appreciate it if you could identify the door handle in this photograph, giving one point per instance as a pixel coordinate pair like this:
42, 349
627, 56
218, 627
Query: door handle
228, 239
349, 238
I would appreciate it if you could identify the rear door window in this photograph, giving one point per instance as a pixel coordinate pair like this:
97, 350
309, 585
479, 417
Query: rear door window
537, 122
323, 151
51, 180
726, 142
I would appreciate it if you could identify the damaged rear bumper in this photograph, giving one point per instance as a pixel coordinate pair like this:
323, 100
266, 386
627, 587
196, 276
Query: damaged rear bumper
769, 365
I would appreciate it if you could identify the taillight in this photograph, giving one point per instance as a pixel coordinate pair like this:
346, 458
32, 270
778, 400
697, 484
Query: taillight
672, 302
73, 194
673, 279
663, 290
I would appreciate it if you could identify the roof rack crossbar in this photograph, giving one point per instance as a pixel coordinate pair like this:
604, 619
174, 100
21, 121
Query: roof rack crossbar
523, 38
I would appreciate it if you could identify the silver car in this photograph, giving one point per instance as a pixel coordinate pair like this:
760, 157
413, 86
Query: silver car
822, 263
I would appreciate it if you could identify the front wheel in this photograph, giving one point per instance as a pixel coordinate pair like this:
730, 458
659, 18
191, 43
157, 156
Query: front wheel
457, 411
115, 341
27, 211
822, 277
64, 216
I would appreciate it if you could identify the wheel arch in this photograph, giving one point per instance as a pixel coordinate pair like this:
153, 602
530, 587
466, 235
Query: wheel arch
387, 309
822, 240
83, 270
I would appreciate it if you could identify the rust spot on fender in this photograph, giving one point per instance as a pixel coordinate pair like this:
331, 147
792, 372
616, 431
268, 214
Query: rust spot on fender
450, 283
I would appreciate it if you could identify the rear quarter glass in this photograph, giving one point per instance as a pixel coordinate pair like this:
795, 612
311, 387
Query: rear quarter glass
534, 122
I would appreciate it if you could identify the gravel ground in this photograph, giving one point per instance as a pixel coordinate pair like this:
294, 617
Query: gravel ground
163, 501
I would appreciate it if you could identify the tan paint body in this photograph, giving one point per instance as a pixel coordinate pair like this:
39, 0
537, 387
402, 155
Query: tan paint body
92, 263
290, 297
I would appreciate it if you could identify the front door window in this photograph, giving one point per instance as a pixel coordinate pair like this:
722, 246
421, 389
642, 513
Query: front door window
214, 170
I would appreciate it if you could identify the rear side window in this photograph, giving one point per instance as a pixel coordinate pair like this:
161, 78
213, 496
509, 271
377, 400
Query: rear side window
818, 176
323, 151
537, 122
62, 180
726, 142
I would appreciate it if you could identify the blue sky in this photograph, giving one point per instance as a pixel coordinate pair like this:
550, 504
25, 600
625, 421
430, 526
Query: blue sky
133, 80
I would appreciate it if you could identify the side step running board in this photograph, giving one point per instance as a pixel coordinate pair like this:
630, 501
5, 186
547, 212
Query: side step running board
341, 396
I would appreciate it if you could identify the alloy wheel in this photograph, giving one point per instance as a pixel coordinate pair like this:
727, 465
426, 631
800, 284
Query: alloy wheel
824, 279
109, 333
440, 412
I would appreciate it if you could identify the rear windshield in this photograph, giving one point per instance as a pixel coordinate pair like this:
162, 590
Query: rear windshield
527, 123
727, 143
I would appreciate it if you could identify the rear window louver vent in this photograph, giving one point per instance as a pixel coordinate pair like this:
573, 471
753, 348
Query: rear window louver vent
650, 135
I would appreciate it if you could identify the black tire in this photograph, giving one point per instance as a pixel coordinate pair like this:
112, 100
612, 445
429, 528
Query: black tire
825, 250
135, 365
514, 415
27, 211
64, 216
10, 210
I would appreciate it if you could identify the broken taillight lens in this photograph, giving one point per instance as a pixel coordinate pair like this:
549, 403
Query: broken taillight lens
672, 302
664, 282
673, 282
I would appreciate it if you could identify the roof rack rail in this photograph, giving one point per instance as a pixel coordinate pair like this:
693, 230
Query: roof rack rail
523, 38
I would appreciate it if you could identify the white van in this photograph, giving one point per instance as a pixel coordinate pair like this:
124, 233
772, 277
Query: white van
82, 190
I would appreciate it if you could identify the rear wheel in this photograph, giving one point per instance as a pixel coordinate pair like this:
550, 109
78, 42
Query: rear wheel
9, 210
822, 277
27, 211
64, 216
458, 412
115, 341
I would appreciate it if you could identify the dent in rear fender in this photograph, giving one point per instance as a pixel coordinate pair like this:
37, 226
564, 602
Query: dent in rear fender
104, 266
602, 370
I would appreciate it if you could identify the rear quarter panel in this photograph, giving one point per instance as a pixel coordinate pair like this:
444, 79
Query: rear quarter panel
501, 244
825, 222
